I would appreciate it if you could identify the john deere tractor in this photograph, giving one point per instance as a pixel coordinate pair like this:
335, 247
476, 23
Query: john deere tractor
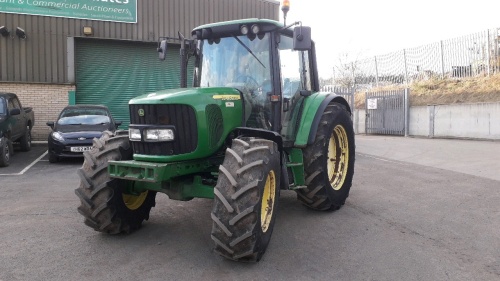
253, 123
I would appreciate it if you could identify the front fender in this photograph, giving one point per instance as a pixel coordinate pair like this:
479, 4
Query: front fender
313, 109
5, 131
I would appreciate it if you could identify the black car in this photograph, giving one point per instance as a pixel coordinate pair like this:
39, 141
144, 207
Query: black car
76, 127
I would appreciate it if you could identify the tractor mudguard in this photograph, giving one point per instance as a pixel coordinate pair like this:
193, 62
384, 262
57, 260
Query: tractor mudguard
260, 133
268, 135
313, 109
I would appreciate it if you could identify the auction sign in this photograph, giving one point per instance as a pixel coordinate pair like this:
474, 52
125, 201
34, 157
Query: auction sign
104, 10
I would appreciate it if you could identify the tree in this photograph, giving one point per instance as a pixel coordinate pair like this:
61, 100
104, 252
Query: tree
347, 71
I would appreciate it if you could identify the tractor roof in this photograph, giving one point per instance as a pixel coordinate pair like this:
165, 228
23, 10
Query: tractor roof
227, 28
241, 22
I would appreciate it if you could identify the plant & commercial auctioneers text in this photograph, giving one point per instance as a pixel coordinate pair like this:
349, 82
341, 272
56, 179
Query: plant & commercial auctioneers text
73, 6
51, 5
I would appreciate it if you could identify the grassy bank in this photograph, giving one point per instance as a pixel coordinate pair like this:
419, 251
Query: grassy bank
447, 91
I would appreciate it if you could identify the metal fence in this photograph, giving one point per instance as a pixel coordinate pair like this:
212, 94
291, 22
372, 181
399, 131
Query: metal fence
346, 93
387, 112
472, 55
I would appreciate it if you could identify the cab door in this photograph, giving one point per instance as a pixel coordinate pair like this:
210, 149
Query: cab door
295, 68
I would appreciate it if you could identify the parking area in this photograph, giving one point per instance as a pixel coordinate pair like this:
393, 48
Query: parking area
412, 214
21, 162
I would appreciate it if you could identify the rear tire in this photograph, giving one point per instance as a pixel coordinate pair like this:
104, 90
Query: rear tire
5, 152
25, 141
329, 161
105, 204
246, 199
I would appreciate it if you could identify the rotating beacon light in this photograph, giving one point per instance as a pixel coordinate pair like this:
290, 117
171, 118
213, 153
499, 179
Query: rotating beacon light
285, 8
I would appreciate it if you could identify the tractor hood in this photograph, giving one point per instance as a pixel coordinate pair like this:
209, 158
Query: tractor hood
192, 96
201, 119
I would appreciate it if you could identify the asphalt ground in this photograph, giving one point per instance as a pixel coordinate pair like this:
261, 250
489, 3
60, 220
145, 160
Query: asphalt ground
419, 209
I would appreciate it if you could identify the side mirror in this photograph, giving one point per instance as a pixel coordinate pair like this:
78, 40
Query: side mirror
162, 49
50, 124
15, 111
305, 93
117, 124
302, 38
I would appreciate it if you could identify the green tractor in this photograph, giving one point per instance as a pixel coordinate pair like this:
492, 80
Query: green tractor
254, 123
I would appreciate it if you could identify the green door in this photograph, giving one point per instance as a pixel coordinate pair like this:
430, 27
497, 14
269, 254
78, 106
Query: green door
112, 72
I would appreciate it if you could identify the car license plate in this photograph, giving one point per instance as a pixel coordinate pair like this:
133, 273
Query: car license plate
80, 148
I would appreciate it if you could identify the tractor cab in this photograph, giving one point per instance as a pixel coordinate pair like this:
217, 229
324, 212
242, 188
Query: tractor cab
268, 63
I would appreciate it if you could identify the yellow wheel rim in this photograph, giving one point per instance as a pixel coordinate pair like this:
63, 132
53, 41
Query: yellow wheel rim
133, 202
268, 197
338, 157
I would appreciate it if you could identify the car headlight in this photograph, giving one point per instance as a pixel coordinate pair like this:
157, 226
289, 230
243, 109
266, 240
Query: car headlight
134, 134
159, 135
57, 136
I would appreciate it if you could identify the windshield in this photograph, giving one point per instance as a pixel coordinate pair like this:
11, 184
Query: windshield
235, 61
2, 107
84, 116
243, 63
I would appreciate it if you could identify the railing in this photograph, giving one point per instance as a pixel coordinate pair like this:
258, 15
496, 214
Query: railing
472, 55
346, 93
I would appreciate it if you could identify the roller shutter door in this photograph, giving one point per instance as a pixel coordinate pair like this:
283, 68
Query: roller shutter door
113, 72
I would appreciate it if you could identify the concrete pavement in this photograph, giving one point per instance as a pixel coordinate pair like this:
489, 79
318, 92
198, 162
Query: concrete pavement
472, 157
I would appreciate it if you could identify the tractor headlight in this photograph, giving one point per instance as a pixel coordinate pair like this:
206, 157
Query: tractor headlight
159, 135
134, 134
255, 28
244, 29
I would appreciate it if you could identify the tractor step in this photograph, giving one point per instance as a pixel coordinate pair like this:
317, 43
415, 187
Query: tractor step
298, 187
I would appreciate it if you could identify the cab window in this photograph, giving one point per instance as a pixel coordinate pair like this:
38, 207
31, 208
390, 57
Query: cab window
11, 104
295, 77
2, 107
295, 71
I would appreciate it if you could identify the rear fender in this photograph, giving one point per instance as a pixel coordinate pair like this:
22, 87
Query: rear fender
313, 109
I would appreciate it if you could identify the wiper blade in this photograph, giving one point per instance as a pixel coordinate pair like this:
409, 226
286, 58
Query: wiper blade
248, 49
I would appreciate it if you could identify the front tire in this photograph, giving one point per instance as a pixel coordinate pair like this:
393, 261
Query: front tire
329, 161
5, 152
53, 158
246, 199
105, 204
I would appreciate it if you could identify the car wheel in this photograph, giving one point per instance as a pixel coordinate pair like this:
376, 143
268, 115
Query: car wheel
53, 158
5, 152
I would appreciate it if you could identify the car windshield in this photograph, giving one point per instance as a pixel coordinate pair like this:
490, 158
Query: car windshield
2, 107
84, 116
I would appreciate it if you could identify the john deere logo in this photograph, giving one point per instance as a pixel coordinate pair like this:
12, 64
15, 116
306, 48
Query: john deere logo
141, 112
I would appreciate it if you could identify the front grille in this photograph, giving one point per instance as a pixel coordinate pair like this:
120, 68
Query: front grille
182, 117
215, 124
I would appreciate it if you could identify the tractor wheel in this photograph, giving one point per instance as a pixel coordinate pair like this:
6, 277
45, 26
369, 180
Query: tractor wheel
25, 141
5, 152
246, 199
329, 161
105, 204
